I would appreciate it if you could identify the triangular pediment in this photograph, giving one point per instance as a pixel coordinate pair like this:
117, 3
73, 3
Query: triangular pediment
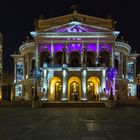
76, 27
43, 24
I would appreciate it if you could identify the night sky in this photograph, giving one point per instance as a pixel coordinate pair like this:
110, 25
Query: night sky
17, 19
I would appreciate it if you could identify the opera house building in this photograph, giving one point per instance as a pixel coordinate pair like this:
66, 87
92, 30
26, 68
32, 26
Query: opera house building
74, 57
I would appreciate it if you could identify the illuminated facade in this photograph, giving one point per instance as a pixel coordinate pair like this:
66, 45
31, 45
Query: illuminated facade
1, 69
74, 58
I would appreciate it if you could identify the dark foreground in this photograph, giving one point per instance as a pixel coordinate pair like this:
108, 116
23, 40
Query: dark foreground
25, 123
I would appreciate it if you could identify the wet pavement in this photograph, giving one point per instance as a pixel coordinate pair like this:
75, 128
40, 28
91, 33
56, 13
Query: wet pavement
93, 123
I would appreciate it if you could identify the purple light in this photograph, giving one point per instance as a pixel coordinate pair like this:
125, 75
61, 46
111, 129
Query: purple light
104, 46
75, 28
111, 73
91, 47
74, 47
42, 47
58, 47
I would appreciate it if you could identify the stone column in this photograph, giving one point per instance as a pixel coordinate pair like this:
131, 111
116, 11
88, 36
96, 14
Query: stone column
97, 51
24, 68
134, 70
64, 96
84, 58
45, 84
121, 65
126, 59
52, 52
28, 65
84, 85
35, 97
67, 54
112, 56
82, 53
15, 71
103, 80
36, 57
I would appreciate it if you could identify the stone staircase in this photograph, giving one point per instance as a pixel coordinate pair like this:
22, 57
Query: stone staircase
73, 104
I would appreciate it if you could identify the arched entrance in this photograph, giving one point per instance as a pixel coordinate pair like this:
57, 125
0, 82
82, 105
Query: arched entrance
55, 89
74, 88
93, 88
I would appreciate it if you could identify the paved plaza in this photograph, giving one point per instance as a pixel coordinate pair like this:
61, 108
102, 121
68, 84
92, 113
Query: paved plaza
93, 123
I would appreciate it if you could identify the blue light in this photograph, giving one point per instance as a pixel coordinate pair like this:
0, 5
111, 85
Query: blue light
111, 73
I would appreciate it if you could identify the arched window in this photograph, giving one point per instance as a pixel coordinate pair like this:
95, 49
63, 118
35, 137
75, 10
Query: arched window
74, 59
104, 58
90, 59
58, 58
44, 58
